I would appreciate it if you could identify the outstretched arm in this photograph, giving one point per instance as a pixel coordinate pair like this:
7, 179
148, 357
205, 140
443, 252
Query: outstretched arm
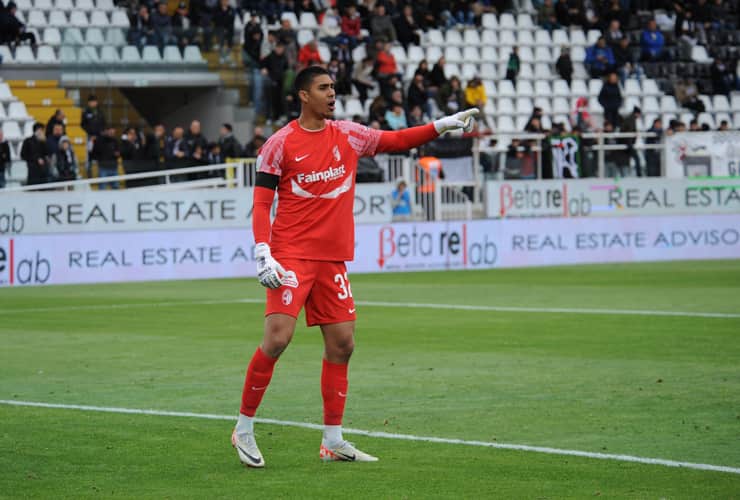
402, 140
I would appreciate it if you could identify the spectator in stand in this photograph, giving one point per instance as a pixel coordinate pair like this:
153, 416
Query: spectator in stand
423, 69
724, 126
381, 25
377, 110
362, 78
652, 156
253, 146
351, 25
36, 156
162, 25
475, 97
57, 118
652, 42
252, 46
625, 61
141, 32
570, 12
720, 16
406, 27
65, 161
330, 29
13, 31
131, 148
437, 78
385, 66
547, 16
338, 72
395, 117
723, 78
613, 34
52, 141
613, 12
4, 158
401, 202
309, 55
610, 99
564, 65
157, 147
215, 154
93, 123
288, 36
416, 116
451, 97
229, 146
106, 151
580, 117
702, 15
418, 95
305, 6
687, 95
182, 27
223, 23
599, 59
629, 124
694, 126
274, 67
177, 152
194, 137
513, 65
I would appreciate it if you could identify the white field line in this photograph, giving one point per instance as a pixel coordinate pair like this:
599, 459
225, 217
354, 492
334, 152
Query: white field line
388, 435
405, 305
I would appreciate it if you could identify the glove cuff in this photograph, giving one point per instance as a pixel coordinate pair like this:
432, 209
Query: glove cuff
261, 250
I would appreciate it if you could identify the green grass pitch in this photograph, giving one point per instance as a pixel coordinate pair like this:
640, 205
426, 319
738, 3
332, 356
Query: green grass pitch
644, 385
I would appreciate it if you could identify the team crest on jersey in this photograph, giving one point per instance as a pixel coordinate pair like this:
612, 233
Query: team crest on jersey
290, 279
337, 156
287, 297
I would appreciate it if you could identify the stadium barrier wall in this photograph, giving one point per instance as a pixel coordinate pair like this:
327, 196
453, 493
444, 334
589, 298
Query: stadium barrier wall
141, 210
95, 257
612, 197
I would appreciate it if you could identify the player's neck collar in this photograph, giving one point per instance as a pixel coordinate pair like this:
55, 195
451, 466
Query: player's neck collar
298, 121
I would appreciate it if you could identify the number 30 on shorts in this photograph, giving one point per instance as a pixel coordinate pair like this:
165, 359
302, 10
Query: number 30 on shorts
344, 289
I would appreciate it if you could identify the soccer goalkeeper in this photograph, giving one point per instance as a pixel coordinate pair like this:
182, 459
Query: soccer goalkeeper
301, 257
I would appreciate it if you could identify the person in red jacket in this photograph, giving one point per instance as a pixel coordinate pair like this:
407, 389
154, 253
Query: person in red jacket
309, 55
312, 163
351, 26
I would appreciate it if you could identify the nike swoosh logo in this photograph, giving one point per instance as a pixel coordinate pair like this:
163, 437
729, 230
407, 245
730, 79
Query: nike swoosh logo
259, 388
341, 394
346, 457
253, 459
352, 310
299, 158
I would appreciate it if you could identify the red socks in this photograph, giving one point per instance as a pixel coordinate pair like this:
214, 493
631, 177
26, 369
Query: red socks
258, 378
334, 391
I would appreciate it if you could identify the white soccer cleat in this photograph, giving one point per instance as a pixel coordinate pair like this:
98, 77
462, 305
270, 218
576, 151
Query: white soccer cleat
345, 452
246, 449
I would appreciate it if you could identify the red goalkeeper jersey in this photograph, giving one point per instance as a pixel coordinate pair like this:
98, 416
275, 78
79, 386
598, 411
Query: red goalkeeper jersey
316, 190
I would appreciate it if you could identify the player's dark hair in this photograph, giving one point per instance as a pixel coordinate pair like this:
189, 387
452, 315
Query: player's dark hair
305, 77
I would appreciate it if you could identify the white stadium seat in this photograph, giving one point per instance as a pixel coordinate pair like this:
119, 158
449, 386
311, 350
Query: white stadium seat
58, 19
433, 54
307, 20
192, 55
85, 5
106, 5
524, 106
668, 105
471, 38
543, 38
115, 36
507, 22
488, 71
453, 55
100, 19
17, 111
720, 103
130, 54
544, 104
119, 19
65, 5
489, 21
525, 38
453, 37
435, 37
471, 54
542, 71
52, 36
353, 107
506, 124
172, 54
290, 16
707, 102
109, 55
542, 88
507, 38
12, 131
43, 4
36, 19
24, 55
735, 101
542, 54
46, 55
506, 88
560, 88
524, 88
650, 105
560, 38
94, 36
594, 86
489, 37
577, 38
72, 36
5, 94
632, 87
304, 36
78, 18
88, 55
67, 54
151, 55
560, 105
578, 88
524, 21
650, 87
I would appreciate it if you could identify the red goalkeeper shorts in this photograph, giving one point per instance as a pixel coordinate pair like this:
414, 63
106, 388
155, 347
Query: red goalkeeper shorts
321, 287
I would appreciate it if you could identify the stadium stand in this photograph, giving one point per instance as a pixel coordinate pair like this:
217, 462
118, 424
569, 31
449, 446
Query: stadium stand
89, 37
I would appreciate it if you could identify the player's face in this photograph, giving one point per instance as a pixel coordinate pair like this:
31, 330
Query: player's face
321, 97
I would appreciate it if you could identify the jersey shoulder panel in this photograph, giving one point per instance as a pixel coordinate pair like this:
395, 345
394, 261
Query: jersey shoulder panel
363, 140
272, 152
